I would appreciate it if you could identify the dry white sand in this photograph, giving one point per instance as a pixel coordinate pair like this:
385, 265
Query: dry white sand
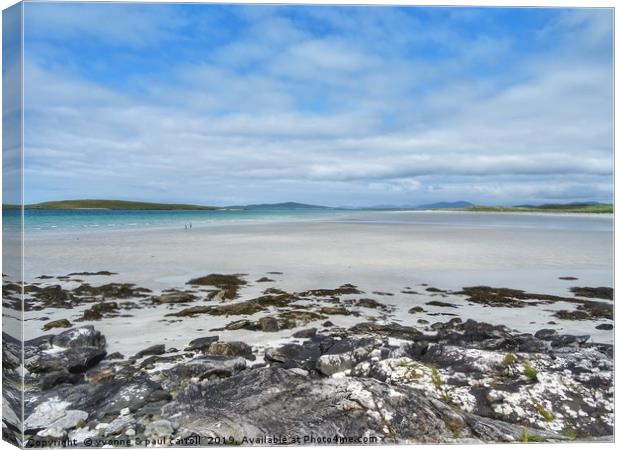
375, 256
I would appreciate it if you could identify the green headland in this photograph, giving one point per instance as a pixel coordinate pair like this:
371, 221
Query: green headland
113, 204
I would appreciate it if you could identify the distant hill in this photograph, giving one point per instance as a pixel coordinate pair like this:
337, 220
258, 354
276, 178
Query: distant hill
561, 205
286, 205
586, 207
116, 205
446, 205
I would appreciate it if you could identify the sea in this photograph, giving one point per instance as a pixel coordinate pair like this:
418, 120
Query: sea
97, 220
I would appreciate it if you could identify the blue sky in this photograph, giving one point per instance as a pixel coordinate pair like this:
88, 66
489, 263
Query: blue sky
355, 106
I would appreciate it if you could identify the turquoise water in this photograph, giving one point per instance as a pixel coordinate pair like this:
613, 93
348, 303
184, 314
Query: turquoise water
93, 220
101, 219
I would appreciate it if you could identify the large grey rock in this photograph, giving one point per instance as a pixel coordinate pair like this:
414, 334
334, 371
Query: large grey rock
54, 415
279, 400
73, 359
85, 336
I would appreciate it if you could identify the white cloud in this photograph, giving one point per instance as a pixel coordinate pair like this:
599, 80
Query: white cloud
281, 114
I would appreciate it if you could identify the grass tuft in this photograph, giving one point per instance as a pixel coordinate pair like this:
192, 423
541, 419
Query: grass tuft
530, 371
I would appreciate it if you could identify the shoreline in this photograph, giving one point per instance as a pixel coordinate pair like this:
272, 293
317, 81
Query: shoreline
278, 217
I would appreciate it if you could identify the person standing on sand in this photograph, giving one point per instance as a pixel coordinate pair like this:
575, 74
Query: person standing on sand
190, 225
186, 226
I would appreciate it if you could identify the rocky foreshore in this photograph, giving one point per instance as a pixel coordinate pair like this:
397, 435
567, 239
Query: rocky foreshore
376, 381
469, 382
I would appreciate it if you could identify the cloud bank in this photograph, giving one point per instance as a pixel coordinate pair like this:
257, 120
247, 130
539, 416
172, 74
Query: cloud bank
351, 106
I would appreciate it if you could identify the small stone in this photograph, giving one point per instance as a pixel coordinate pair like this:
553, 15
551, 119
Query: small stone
159, 428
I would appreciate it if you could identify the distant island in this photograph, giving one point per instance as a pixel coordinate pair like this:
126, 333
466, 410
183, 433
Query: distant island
446, 205
592, 208
286, 205
584, 207
149, 206
113, 204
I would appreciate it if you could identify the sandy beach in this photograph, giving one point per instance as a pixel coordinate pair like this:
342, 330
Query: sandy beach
378, 252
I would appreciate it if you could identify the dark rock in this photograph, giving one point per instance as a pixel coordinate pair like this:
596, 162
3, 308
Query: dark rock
604, 326
133, 395
100, 273
73, 359
157, 349
175, 297
370, 303
111, 291
512, 298
605, 293
100, 310
235, 348
294, 355
57, 377
331, 310
202, 344
264, 280
241, 325
61, 323
229, 284
248, 307
569, 340
588, 310
416, 309
307, 333
546, 334
434, 289
345, 289
392, 330
207, 367
571, 315
387, 294
441, 304
268, 324
85, 336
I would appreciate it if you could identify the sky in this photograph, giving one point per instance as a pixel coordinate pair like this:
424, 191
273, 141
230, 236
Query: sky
340, 106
